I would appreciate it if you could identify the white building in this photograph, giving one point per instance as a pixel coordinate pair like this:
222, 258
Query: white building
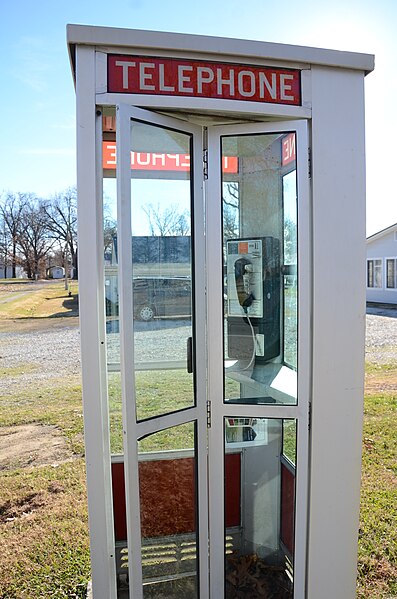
382, 266
56, 272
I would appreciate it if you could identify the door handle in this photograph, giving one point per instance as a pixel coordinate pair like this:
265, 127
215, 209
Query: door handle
189, 355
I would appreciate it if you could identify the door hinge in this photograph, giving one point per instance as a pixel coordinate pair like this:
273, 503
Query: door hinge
208, 414
205, 164
309, 162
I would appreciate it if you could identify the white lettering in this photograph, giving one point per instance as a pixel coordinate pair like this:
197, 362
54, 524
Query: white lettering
186, 160
271, 88
141, 160
174, 157
220, 82
125, 64
201, 78
289, 149
285, 150
161, 157
112, 154
248, 75
182, 79
292, 148
162, 86
284, 88
143, 76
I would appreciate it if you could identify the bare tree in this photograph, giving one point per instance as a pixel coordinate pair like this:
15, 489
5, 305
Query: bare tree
109, 226
167, 222
33, 240
232, 198
61, 215
11, 210
230, 205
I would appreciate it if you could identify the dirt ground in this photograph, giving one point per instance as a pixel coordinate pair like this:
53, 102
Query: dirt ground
31, 445
381, 382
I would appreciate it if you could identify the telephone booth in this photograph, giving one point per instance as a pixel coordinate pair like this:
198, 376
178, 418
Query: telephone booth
222, 318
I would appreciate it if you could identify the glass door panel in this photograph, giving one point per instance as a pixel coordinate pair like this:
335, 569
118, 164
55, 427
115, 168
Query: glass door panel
261, 424
168, 508
260, 262
162, 373
257, 561
161, 227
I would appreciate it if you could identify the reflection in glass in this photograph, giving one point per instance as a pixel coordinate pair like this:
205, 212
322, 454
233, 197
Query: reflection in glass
260, 269
168, 506
115, 413
162, 274
162, 287
259, 509
289, 441
290, 269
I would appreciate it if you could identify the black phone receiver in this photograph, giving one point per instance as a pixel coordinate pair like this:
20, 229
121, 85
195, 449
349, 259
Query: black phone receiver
245, 296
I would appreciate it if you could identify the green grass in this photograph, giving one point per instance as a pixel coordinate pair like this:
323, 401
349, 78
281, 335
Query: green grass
14, 371
58, 404
37, 301
371, 368
44, 551
377, 557
44, 544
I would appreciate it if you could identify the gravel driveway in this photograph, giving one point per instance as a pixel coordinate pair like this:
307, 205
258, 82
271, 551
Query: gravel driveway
381, 335
56, 352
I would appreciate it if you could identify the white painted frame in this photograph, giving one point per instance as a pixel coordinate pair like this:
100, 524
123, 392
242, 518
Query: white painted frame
219, 409
92, 330
338, 333
132, 429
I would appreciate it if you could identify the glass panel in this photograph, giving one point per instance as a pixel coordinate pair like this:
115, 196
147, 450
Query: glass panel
391, 273
168, 504
111, 272
260, 261
370, 273
260, 509
162, 271
290, 283
115, 413
378, 273
289, 440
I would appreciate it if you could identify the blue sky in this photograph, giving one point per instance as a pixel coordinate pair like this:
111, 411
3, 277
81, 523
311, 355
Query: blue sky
37, 97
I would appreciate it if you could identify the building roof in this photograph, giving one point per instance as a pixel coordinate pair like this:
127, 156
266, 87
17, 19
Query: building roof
382, 233
154, 40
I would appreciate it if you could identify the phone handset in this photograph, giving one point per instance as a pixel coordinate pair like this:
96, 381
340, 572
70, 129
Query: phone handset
242, 272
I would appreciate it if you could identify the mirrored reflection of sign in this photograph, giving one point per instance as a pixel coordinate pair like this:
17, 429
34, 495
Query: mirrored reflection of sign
157, 161
288, 149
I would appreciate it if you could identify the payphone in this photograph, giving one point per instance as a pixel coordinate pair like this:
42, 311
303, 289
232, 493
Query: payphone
253, 299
